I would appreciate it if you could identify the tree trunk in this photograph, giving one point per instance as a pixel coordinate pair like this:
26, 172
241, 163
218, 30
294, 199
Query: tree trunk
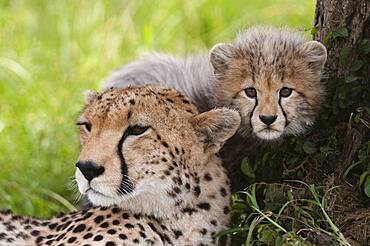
344, 27
342, 24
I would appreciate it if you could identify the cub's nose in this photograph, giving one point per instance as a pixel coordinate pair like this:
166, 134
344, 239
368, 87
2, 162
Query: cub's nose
268, 119
90, 169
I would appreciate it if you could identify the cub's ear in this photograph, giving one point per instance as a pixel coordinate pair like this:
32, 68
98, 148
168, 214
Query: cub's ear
220, 56
314, 53
90, 95
215, 127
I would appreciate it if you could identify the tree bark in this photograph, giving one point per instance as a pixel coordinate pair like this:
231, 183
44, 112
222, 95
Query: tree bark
353, 15
344, 26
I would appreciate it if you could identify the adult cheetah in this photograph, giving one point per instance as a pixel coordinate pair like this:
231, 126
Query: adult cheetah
149, 159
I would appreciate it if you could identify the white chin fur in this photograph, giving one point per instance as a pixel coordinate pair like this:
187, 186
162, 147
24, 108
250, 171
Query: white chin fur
268, 134
101, 200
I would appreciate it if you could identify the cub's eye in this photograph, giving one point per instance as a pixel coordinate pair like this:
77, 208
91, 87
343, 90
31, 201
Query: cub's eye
86, 125
137, 130
285, 92
251, 92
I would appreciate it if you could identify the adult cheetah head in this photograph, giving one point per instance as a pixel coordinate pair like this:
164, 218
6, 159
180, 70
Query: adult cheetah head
137, 139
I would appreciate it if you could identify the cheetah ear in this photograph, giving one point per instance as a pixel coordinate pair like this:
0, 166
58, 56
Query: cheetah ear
90, 95
215, 127
314, 53
220, 56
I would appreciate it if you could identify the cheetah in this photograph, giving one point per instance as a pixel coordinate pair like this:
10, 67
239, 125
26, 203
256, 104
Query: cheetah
270, 75
149, 164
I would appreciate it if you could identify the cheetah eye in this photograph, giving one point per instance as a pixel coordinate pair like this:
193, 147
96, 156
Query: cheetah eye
251, 92
137, 130
285, 92
85, 125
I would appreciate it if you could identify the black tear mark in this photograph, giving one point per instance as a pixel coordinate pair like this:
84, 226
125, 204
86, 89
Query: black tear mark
125, 186
284, 113
251, 115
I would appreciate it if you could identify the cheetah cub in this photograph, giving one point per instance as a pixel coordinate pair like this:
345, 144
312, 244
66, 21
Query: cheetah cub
270, 75
149, 160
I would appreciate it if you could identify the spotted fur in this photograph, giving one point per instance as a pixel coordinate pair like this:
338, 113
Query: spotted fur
263, 59
149, 160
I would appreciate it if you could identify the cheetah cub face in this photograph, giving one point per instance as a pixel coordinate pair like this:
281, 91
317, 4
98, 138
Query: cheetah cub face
136, 141
273, 78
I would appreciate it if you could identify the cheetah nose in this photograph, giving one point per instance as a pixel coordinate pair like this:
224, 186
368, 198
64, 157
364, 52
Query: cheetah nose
90, 169
268, 119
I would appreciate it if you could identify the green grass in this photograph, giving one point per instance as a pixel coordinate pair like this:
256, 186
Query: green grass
50, 51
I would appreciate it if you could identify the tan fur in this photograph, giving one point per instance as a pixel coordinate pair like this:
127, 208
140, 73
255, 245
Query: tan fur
166, 185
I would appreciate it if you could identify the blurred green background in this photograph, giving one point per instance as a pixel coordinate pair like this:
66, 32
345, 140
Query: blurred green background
50, 51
